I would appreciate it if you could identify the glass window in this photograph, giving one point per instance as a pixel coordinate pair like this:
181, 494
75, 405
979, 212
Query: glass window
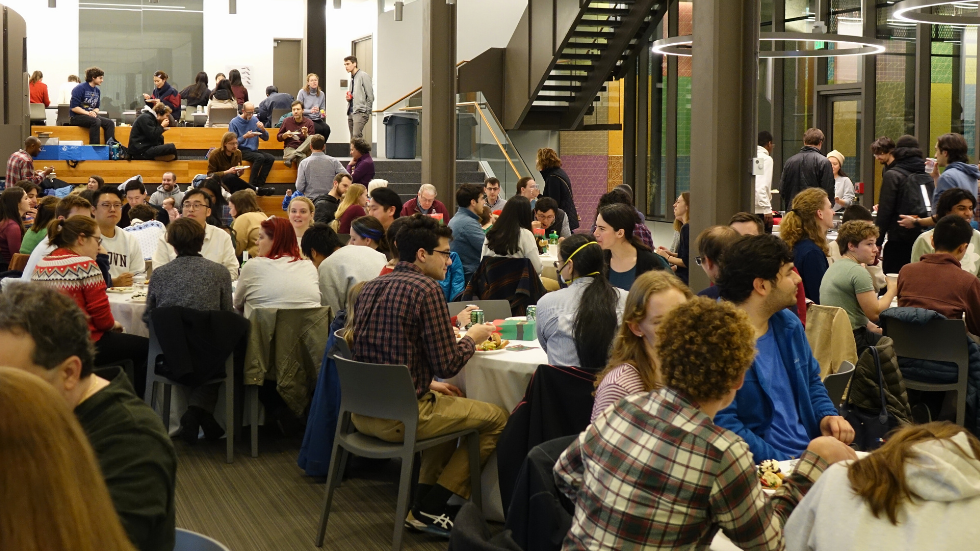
953, 81
894, 80
845, 18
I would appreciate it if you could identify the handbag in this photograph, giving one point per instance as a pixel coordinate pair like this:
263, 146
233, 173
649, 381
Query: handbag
870, 428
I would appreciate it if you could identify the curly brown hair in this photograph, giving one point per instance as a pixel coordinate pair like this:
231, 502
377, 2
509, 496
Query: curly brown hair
547, 158
801, 222
705, 347
853, 232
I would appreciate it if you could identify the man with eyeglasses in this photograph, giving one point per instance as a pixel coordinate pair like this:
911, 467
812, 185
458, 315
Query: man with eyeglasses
123, 248
493, 198
249, 129
217, 244
401, 318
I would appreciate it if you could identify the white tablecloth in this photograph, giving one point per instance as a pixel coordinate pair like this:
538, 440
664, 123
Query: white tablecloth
129, 313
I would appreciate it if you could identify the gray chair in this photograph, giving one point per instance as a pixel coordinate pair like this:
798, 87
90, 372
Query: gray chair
38, 116
492, 309
64, 114
342, 346
276, 115
940, 340
129, 117
385, 392
222, 115
229, 389
186, 540
836, 383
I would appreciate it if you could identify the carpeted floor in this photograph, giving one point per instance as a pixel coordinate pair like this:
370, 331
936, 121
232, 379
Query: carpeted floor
268, 503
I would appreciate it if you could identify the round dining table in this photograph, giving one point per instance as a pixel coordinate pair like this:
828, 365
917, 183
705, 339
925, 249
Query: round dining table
128, 312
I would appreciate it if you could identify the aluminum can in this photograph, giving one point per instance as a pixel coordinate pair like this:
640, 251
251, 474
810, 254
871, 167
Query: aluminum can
532, 312
476, 316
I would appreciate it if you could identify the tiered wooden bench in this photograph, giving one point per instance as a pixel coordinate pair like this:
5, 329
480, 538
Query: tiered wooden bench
184, 137
117, 172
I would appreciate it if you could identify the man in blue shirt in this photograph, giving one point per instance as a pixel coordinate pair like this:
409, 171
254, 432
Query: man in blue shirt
783, 404
85, 100
468, 234
249, 129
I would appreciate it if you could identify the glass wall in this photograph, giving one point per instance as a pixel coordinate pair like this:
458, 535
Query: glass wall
167, 36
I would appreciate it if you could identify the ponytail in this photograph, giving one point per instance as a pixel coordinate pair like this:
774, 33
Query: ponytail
64, 233
595, 321
623, 217
368, 227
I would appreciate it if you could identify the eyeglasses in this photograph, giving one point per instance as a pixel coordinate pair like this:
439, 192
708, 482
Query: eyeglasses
697, 260
195, 206
111, 206
447, 254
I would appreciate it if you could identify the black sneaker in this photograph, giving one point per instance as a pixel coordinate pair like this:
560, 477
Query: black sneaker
440, 525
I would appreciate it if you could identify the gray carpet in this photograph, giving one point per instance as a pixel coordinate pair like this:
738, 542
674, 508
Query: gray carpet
268, 503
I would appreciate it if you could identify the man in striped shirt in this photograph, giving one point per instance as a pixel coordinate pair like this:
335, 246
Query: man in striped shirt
655, 472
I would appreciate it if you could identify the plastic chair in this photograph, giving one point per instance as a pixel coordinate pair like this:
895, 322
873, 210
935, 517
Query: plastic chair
385, 392
837, 383
185, 540
229, 389
38, 116
19, 261
222, 115
342, 346
492, 309
276, 115
64, 114
940, 340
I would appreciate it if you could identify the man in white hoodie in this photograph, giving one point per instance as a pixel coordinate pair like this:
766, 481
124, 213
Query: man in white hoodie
763, 182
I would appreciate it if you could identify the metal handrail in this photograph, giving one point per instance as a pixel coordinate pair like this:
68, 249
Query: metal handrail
412, 93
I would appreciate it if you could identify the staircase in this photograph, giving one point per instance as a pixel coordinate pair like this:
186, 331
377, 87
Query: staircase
405, 176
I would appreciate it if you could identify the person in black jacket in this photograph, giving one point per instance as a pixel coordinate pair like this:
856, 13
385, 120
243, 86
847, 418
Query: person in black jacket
146, 137
901, 194
627, 258
808, 168
557, 184
163, 93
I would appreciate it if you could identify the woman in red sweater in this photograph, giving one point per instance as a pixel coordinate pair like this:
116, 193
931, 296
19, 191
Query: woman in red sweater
39, 90
71, 269
14, 204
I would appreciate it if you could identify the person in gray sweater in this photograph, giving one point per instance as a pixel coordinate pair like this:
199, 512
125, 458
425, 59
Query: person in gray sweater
191, 281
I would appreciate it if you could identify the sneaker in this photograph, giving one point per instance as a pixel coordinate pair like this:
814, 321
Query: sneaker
288, 162
440, 525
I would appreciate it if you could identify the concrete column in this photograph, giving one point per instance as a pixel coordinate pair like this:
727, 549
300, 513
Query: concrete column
868, 105
923, 86
723, 115
316, 39
439, 98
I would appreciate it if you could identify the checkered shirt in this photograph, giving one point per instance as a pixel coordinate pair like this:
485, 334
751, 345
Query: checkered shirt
402, 318
654, 472
20, 166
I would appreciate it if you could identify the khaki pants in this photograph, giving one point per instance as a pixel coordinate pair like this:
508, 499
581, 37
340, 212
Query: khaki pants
298, 154
356, 123
448, 464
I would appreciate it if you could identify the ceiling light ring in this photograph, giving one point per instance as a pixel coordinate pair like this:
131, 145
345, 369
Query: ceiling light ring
682, 45
910, 10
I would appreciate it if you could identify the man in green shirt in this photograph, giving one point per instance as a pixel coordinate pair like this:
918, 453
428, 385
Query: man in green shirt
45, 333
847, 283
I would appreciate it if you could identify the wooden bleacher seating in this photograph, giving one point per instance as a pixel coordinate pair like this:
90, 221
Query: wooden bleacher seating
117, 172
184, 137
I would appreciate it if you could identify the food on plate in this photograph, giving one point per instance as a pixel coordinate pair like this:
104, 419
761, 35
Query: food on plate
493, 343
770, 474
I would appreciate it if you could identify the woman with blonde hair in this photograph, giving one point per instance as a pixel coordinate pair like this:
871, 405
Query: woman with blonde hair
300, 214
351, 208
921, 490
557, 184
679, 255
243, 206
804, 228
53, 493
633, 365
315, 104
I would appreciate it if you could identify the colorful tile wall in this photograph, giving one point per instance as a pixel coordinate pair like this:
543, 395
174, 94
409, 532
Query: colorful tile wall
589, 175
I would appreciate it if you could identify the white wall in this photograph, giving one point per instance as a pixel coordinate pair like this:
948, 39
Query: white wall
48, 31
356, 19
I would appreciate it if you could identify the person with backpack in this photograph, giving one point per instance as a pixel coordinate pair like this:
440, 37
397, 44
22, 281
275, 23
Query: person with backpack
902, 185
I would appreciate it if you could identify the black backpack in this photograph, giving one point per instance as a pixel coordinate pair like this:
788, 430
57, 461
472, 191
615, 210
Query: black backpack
913, 194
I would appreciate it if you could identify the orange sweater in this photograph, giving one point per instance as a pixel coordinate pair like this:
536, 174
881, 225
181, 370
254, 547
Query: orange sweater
39, 93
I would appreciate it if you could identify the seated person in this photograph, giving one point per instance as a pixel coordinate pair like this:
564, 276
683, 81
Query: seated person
38, 232
249, 129
14, 203
136, 195
146, 136
123, 248
654, 471
37, 423
550, 218
278, 260
360, 260
211, 290
20, 165
295, 135
847, 284
361, 165
168, 189
350, 208
318, 243
622, 196
225, 164
783, 403
244, 208
222, 98
627, 258
45, 333
747, 224
805, 229
511, 235
69, 206
576, 325
85, 100
711, 244
140, 214
918, 491
425, 203
468, 235
960, 202
314, 174
300, 215
385, 204
634, 364
164, 94
328, 203
934, 283
402, 319
274, 99
169, 206
859, 212
217, 243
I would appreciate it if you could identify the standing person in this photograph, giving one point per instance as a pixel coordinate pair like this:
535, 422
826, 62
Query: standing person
763, 182
315, 104
468, 234
951, 152
300, 212
237, 88
197, 94
249, 129
67, 88
576, 325
680, 260
163, 93
248, 216
222, 98
528, 188
902, 182
425, 202
494, 200
882, 149
168, 189
316, 172
125, 253
225, 164
146, 136
511, 235
13, 204
360, 98
296, 134
557, 184
85, 101
328, 203
20, 165
626, 257
808, 168
351, 207
279, 260
361, 166
274, 99
843, 187
39, 90
804, 229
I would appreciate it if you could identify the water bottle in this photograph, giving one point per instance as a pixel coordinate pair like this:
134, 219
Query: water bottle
553, 238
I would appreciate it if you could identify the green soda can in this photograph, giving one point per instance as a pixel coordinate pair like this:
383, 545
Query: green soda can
476, 316
532, 312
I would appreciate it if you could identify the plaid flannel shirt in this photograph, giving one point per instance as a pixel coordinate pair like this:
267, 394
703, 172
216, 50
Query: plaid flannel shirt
402, 318
655, 472
20, 166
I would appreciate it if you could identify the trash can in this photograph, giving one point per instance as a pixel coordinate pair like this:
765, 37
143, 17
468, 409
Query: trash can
465, 135
400, 130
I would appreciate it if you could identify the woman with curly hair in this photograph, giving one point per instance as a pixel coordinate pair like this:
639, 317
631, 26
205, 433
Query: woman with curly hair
664, 444
557, 184
804, 229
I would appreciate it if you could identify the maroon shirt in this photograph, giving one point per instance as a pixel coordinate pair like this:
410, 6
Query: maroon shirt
958, 293
412, 207
290, 125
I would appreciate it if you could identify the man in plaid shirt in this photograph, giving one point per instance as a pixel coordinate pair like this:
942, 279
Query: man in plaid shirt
654, 472
402, 318
20, 165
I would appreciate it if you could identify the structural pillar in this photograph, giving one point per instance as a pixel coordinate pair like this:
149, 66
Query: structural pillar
869, 166
923, 86
439, 98
316, 39
723, 115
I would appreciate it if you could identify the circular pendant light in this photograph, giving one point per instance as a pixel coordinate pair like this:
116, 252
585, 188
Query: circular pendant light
913, 12
683, 45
